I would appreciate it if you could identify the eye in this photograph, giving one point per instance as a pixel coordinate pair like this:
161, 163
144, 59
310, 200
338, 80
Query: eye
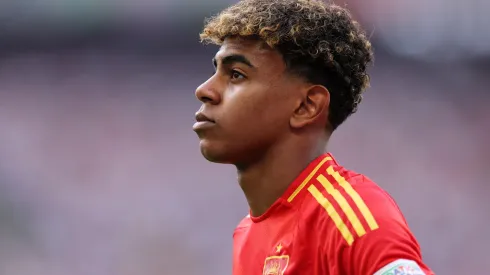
235, 75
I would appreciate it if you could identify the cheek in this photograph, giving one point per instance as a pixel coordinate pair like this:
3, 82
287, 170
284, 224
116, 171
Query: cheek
257, 110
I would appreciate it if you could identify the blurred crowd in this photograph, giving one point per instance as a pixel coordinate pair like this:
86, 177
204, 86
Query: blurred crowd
100, 172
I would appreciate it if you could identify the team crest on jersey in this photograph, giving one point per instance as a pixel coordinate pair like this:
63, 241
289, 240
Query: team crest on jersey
275, 265
401, 267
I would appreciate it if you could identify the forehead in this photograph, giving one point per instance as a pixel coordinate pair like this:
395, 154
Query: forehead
258, 52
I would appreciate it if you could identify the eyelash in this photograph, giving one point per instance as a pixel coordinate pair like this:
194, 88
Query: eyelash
233, 72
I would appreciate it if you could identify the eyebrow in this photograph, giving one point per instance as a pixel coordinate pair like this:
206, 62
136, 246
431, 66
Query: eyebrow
233, 58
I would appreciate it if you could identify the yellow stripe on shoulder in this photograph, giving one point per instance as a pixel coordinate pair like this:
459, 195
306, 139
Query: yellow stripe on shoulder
332, 213
308, 178
368, 216
344, 205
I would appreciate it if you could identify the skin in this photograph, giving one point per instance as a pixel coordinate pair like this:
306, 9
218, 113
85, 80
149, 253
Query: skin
259, 117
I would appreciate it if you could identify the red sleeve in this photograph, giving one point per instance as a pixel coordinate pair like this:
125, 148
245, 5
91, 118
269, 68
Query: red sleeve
388, 247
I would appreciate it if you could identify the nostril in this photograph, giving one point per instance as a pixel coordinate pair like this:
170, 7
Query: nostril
205, 99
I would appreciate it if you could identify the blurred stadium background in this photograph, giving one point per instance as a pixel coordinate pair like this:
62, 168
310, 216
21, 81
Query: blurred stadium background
100, 172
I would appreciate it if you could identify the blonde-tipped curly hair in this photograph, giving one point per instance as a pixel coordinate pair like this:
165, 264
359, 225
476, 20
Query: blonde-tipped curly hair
320, 42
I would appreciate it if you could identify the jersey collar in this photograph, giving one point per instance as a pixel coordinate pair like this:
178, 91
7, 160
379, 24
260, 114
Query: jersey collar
295, 192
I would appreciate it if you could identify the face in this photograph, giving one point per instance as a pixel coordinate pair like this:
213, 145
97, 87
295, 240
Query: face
247, 103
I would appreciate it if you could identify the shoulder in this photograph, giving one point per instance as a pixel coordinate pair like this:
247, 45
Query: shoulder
358, 224
347, 206
244, 224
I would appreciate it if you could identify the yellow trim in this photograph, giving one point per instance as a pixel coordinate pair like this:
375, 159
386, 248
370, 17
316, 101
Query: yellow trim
339, 198
332, 213
307, 179
277, 257
355, 197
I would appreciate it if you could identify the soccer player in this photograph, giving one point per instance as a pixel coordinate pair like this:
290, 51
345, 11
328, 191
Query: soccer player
288, 73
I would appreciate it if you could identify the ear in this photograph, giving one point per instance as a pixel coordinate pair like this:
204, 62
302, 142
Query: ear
312, 107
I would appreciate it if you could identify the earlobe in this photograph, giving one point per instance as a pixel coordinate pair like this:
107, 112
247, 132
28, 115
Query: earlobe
312, 108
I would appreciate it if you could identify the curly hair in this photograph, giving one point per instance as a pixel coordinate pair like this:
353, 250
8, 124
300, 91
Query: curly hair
318, 41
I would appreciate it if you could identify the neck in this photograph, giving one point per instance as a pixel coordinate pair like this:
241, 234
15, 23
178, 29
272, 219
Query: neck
266, 180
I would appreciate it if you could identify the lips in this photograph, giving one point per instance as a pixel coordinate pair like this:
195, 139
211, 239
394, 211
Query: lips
202, 122
200, 117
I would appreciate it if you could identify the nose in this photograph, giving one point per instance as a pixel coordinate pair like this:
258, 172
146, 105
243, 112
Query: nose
208, 92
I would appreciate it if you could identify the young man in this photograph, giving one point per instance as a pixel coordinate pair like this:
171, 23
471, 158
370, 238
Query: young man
288, 73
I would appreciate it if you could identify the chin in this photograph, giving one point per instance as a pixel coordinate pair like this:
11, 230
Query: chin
217, 153
213, 152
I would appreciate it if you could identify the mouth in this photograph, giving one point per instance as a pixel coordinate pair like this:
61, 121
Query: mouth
200, 117
202, 122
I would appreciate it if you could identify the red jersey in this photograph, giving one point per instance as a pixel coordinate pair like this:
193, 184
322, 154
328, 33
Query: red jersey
330, 221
